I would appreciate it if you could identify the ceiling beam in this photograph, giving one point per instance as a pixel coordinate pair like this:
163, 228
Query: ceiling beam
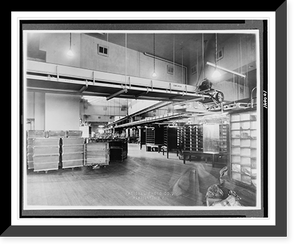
116, 94
83, 88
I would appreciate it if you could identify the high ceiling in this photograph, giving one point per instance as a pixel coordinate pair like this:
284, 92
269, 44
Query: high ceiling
179, 48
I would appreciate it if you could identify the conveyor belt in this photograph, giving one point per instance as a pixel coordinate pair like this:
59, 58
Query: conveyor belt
49, 77
151, 120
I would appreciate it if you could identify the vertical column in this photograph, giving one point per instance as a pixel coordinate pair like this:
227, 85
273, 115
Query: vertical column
39, 110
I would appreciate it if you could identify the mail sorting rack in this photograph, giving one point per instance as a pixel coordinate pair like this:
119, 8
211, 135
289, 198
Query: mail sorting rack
45, 154
243, 151
223, 142
189, 139
170, 139
179, 139
192, 138
72, 152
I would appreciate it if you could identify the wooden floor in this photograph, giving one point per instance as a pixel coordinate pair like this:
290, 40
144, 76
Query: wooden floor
143, 179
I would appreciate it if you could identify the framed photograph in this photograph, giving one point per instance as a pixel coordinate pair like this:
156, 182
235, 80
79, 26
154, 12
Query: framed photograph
156, 126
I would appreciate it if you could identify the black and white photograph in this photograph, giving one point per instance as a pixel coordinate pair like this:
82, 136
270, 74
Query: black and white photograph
148, 124
143, 119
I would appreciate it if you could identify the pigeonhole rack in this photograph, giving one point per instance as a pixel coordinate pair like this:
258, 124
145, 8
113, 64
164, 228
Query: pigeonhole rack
170, 139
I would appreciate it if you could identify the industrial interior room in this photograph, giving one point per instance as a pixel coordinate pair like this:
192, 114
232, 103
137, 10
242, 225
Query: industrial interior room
141, 119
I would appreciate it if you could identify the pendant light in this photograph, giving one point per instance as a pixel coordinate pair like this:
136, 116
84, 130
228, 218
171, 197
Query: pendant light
174, 68
154, 74
181, 62
216, 74
126, 45
203, 55
70, 52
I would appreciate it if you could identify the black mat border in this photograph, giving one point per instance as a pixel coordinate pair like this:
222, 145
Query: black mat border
280, 229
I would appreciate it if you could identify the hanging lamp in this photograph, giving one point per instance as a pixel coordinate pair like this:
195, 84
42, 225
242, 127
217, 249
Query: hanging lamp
182, 80
216, 74
70, 52
154, 74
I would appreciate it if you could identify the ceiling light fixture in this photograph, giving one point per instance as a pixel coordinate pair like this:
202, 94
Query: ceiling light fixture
216, 74
182, 63
154, 74
70, 52
224, 69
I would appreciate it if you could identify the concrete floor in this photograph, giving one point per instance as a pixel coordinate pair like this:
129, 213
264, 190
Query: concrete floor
143, 179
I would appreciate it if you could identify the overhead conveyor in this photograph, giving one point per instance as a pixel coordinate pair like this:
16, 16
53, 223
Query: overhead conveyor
151, 120
55, 78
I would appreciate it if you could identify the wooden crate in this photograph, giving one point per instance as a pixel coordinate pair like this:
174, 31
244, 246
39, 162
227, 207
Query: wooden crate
56, 133
45, 153
74, 133
72, 156
45, 166
30, 141
72, 152
98, 146
45, 162
35, 134
29, 155
99, 159
29, 149
40, 146
72, 148
97, 153
72, 141
45, 158
30, 164
72, 163
46, 150
43, 141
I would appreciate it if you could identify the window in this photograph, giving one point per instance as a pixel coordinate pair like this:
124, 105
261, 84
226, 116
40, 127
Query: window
220, 54
170, 69
102, 50
193, 70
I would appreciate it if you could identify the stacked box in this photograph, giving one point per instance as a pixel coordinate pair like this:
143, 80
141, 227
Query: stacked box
45, 153
56, 133
30, 135
29, 150
72, 153
74, 133
170, 139
36, 134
